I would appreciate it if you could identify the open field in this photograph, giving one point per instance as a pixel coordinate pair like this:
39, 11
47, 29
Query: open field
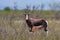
17, 29
20, 31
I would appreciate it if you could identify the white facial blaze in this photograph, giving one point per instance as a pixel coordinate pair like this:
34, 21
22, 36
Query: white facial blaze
26, 17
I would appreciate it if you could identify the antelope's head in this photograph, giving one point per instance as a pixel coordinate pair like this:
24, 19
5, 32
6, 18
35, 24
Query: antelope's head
26, 16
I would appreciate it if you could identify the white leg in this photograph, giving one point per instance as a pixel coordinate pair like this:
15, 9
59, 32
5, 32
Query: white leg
47, 33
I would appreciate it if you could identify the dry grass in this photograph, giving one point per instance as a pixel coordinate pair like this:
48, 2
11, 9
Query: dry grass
20, 31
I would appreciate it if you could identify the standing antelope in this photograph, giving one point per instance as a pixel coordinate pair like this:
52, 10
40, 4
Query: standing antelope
32, 22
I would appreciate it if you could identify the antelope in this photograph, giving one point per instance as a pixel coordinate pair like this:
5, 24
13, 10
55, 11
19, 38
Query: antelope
34, 23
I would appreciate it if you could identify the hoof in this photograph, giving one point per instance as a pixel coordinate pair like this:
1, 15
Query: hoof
30, 31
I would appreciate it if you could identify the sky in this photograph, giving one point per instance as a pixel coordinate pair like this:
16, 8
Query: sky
21, 4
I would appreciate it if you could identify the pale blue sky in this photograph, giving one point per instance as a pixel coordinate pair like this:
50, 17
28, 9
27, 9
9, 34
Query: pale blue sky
22, 3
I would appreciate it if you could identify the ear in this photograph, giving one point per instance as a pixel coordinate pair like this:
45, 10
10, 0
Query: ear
24, 14
28, 14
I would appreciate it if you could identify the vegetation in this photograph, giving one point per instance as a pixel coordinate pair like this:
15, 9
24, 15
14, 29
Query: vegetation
14, 27
7, 9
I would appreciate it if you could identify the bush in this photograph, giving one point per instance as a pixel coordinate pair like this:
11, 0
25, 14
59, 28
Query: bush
7, 9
